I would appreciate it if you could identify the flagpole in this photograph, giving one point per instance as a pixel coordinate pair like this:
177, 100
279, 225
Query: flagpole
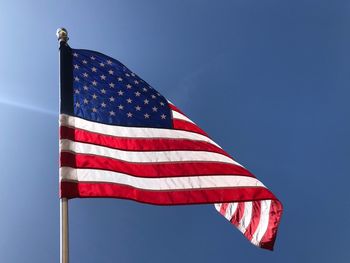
62, 36
64, 248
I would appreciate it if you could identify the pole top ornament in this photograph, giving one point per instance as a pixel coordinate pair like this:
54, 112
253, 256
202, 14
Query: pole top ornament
62, 34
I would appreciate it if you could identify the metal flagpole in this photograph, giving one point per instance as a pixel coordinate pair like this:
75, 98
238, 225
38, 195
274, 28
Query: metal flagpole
64, 252
62, 36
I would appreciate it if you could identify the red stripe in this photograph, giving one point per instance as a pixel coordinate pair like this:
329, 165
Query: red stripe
269, 238
237, 216
188, 126
223, 208
137, 144
150, 169
254, 222
180, 197
185, 125
174, 108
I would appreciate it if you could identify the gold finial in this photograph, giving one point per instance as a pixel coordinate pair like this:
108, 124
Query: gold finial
62, 34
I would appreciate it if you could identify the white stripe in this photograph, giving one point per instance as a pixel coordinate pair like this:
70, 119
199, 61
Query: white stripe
178, 115
263, 222
231, 209
131, 132
144, 157
247, 216
218, 206
168, 183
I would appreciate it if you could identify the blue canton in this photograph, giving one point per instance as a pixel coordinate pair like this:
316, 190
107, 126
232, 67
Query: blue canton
106, 91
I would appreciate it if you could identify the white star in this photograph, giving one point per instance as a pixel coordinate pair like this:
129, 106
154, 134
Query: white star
76, 66
120, 93
158, 94
121, 107
76, 78
144, 89
94, 83
84, 61
136, 82
128, 86
103, 91
129, 100
126, 74
103, 104
112, 113
75, 54
146, 101
120, 79
94, 96
103, 77
86, 101
146, 116
153, 96
111, 99
129, 114
92, 58
94, 109
85, 75
102, 64
138, 108
110, 72
77, 104
109, 62
93, 69
161, 103
137, 94
76, 91
111, 85
155, 109
85, 87
132, 74
163, 116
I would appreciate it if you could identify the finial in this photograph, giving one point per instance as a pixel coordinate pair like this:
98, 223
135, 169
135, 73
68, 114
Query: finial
62, 34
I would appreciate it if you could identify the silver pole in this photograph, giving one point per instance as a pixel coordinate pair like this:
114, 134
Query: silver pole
62, 36
64, 247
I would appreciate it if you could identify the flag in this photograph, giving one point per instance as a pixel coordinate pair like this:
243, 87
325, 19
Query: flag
120, 138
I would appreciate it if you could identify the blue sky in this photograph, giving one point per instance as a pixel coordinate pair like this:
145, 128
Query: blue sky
268, 80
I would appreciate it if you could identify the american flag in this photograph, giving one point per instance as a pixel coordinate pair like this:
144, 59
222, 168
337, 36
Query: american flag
121, 138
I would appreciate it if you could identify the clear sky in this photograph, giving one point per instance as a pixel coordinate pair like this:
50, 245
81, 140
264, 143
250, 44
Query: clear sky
268, 80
